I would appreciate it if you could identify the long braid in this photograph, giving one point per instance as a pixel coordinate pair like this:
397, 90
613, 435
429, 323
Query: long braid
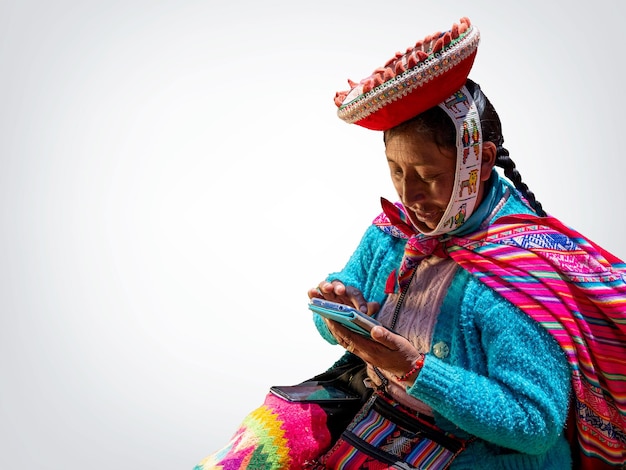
510, 171
492, 132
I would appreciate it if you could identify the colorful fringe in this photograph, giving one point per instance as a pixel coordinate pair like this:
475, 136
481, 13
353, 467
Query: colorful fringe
278, 435
571, 286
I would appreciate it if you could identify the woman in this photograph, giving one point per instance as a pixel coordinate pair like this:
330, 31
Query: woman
501, 321
489, 369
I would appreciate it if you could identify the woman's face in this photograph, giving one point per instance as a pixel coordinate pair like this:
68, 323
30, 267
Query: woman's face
422, 174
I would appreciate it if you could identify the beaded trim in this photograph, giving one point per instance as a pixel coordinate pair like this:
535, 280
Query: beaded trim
462, 110
428, 68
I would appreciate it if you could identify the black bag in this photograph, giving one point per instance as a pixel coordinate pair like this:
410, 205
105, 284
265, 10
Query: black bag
348, 374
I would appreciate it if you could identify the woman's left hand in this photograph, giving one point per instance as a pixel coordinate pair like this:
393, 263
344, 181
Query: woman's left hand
385, 350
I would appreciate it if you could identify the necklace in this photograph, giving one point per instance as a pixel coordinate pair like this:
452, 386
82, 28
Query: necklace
396, 312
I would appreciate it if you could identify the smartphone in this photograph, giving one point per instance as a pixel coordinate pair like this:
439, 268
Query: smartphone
348, 316
313, 392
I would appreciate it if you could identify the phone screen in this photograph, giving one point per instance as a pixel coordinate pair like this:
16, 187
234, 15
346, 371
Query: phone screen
313, 392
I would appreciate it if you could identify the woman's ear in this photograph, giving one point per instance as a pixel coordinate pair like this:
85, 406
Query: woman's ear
489, 160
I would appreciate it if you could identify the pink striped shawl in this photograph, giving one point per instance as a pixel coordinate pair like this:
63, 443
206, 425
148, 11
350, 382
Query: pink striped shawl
568, 284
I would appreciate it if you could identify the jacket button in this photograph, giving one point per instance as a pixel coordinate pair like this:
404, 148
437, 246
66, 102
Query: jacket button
441, 350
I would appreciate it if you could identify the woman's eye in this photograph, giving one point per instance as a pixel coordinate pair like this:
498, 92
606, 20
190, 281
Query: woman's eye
429, 178
395, 171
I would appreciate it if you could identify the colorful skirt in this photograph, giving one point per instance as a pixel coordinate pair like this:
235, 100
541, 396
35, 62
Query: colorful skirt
277, 435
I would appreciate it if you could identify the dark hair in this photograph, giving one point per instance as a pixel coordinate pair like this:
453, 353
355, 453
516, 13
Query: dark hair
436, 123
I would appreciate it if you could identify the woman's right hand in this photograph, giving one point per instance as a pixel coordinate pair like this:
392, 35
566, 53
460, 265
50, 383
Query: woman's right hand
337, 291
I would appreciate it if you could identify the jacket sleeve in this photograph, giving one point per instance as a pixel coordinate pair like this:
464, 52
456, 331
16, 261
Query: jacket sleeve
368, 268
512, 388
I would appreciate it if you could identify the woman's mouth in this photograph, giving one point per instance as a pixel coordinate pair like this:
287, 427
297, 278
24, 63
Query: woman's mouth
428, 216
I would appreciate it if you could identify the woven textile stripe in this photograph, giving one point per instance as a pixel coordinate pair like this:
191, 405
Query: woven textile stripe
382, 436
430, 455
584, 307
276, 436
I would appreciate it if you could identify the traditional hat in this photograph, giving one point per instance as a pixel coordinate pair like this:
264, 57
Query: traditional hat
412, 82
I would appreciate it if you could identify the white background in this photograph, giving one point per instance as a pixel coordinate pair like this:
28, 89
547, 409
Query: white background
174, 178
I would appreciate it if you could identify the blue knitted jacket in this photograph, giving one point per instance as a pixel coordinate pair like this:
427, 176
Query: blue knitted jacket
505, 379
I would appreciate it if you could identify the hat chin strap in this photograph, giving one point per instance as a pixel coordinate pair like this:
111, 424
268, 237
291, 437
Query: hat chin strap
462, 109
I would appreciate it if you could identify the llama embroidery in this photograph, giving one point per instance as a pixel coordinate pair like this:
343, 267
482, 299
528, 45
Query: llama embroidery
455, 100
469, 183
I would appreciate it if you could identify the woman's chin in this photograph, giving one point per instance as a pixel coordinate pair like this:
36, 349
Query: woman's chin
424, 224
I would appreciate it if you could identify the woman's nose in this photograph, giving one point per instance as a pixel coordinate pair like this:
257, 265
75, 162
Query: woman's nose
412, 191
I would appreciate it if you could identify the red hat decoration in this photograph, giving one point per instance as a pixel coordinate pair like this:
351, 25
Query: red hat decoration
413, 82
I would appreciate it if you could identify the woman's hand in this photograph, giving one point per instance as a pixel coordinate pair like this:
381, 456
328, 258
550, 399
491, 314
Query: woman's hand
386, 350
337, 291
